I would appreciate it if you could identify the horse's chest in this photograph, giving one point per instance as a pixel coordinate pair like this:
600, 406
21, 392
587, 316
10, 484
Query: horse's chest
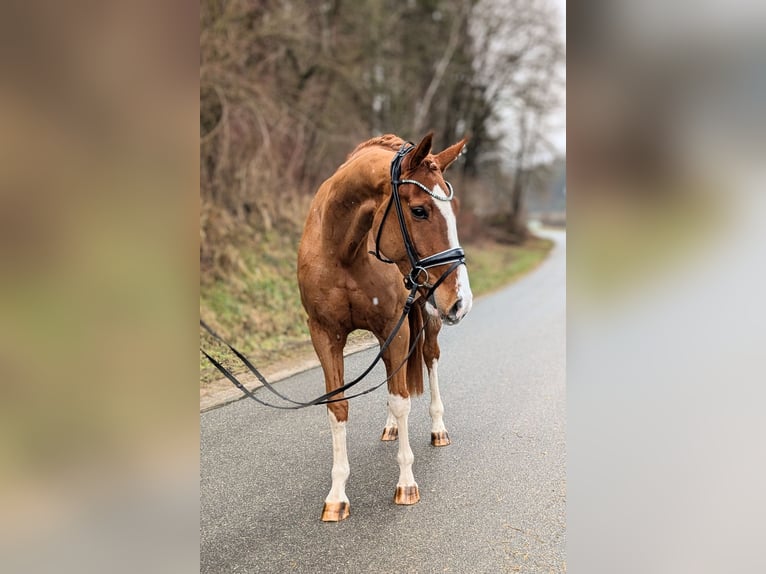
371, 302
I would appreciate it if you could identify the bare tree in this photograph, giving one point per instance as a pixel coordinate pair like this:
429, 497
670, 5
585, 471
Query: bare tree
520, 62
424, 105
287, 89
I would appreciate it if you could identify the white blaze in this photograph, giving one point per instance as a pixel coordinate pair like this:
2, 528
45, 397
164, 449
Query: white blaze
463, 285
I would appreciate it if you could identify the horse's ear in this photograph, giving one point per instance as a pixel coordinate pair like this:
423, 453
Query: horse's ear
421, 151
449, 155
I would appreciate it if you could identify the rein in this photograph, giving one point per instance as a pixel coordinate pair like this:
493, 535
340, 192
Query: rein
454, 256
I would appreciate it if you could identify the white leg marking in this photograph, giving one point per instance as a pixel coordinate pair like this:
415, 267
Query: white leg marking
400, 407
391, 419
340, 468
437, 408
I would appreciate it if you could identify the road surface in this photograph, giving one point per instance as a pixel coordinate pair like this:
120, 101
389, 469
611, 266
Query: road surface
492, 501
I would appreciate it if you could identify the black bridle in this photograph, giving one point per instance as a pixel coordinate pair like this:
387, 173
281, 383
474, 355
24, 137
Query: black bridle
419, 267
453, 256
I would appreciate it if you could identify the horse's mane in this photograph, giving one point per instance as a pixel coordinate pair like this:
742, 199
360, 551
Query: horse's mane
388, 141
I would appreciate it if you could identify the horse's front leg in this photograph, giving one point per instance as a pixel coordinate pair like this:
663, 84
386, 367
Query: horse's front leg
406, 488
399, 406
329, 349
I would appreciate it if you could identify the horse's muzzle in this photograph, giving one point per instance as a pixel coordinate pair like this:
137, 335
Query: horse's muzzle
456, 312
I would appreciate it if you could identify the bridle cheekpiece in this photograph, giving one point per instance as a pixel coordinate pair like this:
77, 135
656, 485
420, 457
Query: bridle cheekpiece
418, 276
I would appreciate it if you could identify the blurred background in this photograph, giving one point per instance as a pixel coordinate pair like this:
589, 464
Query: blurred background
666, 283
98, 286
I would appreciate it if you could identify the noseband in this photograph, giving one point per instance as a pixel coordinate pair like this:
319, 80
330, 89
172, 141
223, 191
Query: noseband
418, 275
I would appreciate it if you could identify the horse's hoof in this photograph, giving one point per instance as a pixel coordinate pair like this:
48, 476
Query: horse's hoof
390, 433
334, 511
440, 438
407, 494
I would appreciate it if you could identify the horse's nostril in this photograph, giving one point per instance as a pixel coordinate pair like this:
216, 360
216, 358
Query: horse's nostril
456, 308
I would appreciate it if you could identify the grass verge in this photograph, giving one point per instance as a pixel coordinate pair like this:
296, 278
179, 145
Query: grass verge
493, 265
260, 313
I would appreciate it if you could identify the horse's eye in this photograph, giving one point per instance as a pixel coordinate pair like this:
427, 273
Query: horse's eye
419, 212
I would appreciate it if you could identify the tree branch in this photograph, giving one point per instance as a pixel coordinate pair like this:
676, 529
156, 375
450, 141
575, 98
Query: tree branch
424, 106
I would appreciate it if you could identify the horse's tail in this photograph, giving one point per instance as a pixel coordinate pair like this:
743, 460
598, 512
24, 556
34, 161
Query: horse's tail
415, 362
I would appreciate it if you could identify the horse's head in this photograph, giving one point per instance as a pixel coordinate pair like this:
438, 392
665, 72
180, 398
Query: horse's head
429, 214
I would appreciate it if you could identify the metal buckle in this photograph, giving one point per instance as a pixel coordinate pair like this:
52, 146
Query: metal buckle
416, 272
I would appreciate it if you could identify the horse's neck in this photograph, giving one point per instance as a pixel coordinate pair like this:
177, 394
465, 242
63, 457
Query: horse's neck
357, 190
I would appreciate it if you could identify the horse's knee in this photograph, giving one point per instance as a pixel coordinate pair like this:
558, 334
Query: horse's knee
400, 406
340, 410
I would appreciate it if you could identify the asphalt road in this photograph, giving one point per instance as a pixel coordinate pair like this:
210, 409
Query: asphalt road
492, 501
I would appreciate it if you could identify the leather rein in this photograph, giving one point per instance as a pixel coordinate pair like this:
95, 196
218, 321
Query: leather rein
416, 280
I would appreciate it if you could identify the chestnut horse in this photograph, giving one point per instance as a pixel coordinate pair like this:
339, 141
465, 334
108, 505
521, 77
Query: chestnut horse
346, 284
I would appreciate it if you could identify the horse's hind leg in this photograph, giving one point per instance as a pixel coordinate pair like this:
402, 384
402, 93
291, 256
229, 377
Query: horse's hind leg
329, 349
439, 436
431, 354
391, 430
